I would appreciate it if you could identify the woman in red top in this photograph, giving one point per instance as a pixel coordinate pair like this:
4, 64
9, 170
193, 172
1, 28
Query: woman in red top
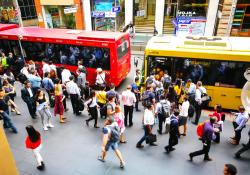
33, 141
219, 122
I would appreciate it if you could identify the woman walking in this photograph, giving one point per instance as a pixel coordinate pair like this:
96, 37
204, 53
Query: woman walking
59, 97
33, 142
43, 109
92, 107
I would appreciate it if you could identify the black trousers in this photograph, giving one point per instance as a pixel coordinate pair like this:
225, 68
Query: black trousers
173, 140
75, 103
128, 110
94, 114
198, 109
137, 96
161, 120
31, 107
101, 105
244, 148
204, 151
237, 133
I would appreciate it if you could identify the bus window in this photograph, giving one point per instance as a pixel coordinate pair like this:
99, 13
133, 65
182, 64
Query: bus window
92, 57
10, 46
122, 49
212, 72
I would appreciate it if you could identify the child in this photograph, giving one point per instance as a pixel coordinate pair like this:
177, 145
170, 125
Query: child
33, 141
119, 118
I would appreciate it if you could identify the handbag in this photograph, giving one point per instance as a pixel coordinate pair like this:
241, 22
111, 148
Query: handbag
151, 138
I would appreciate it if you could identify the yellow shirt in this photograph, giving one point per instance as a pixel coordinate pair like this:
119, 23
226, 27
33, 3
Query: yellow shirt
101, 97
58, 90
177, 90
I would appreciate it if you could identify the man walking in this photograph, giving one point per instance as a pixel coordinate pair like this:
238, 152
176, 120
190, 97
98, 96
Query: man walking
49, 86
206, 140
136, 91
239, 124
113, 93
111, 136
35, 80
173, 132
244, 148
128, 99
27, 95
74, 93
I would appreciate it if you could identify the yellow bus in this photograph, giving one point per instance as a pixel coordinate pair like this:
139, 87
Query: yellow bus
219, 62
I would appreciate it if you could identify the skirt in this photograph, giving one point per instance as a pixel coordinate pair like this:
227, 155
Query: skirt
182, 120
59, 108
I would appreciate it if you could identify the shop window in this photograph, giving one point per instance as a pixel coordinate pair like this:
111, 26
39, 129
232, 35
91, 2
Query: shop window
92, 57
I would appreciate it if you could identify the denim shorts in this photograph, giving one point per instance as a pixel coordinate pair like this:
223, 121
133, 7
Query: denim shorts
113, 145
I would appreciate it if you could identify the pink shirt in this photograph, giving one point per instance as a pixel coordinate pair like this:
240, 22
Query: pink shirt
128, 98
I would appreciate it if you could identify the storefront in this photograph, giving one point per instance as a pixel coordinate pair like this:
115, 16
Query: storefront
60, 16
107, 15
8, 13
144, 11
241, 21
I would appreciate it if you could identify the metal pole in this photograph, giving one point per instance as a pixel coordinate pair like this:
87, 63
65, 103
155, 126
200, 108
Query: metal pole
19, 15
20, 44
115, 17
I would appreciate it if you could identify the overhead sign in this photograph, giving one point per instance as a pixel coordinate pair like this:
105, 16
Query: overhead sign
190, 26
68, 10
103, 14
97, 14
116, 9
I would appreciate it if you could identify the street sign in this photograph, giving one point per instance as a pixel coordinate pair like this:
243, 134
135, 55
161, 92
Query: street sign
116, 9
68, 10
97, 14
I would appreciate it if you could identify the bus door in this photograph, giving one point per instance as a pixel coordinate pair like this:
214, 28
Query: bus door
158, 66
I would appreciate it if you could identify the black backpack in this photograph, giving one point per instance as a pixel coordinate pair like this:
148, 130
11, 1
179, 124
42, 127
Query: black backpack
103, 110
115, 134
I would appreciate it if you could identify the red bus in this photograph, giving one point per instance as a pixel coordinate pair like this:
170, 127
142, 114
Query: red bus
107, 50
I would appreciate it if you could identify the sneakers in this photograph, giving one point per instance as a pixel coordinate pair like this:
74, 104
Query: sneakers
50, 125
41, 167
208, 159
122, 164
101, 159
45, 128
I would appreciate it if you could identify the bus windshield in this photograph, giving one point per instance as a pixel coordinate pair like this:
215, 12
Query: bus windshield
92, 57
220, 73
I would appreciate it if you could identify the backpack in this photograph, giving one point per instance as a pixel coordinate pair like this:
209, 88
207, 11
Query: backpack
205, 98
200, 129
166, 82
146, 98
115, 134
191, 111
165, 109
103, 110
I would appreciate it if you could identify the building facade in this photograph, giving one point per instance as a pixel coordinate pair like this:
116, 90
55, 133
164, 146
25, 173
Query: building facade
60, 14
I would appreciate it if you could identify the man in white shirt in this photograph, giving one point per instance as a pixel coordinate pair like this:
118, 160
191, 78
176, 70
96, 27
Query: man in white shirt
46, 67
74, 93
184, 115
65, 75
128, 98
100, 78
198, 102
25, 71
148, 122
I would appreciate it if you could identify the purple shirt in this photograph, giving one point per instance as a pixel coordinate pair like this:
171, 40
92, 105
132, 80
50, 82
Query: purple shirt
208, 132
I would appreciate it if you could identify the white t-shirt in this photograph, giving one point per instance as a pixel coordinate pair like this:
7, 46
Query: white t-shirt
203, 90
148, 118
46, 68
184, 109
198, 96
65, 75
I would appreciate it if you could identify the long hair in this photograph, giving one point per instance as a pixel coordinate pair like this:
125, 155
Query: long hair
33, 134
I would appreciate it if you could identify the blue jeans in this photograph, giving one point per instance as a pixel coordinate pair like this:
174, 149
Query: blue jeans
7, 121
146, 133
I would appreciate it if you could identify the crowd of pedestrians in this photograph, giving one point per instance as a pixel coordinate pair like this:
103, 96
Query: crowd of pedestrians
164, 102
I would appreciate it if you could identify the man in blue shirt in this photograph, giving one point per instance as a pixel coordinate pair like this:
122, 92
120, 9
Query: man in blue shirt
239, 124
35, 80
136, 91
